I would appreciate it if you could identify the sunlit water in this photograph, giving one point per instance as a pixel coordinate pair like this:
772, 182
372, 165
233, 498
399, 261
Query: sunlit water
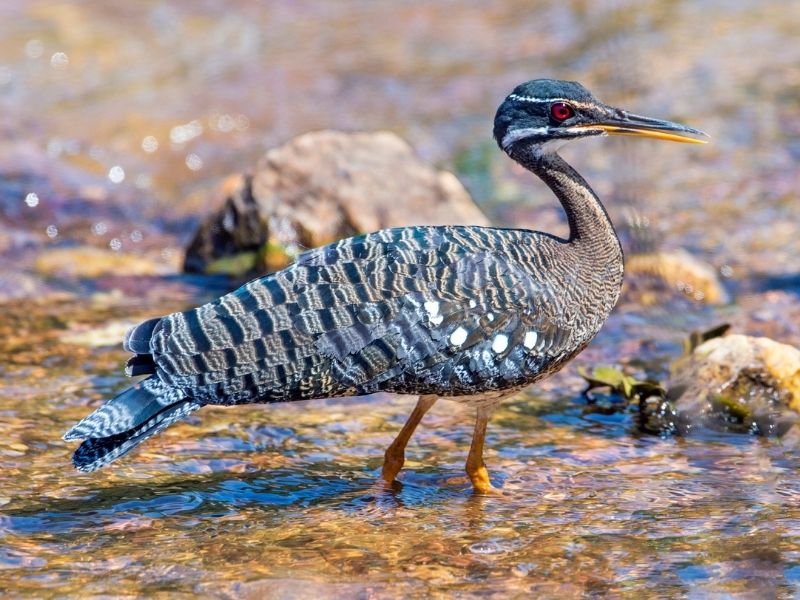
285, 499
120, 121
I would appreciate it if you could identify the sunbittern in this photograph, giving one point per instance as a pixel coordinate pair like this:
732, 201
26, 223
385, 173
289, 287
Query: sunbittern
471, 314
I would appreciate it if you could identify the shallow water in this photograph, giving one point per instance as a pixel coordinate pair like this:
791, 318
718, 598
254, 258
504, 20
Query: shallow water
283, 501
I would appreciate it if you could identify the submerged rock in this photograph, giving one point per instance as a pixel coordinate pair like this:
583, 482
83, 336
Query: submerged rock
91, 262
736, 383
321, 187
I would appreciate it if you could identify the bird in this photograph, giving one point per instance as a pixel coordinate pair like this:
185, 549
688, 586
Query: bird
464, 313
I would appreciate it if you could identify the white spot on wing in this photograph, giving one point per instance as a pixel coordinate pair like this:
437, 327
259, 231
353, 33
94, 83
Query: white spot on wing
490, 316
458, 337
432, 308
500, 343
472, 304
530, 339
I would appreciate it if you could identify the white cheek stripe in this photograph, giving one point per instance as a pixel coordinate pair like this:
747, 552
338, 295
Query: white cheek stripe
550, 145
516, 135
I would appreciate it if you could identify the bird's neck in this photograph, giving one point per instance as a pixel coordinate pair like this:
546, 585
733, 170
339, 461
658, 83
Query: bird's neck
589, 225
592, 264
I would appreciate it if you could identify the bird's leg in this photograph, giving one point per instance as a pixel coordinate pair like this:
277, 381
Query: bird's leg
476, 469
395, 453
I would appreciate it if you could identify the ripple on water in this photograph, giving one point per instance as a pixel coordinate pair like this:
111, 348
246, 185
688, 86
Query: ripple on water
487, 547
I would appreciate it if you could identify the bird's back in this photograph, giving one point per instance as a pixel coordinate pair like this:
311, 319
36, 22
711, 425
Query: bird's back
452, 311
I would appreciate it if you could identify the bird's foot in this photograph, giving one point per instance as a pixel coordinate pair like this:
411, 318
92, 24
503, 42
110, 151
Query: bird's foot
480, 481
392, 463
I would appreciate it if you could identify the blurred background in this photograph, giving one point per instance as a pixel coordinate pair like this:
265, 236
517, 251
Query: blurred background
118, 123
121, 120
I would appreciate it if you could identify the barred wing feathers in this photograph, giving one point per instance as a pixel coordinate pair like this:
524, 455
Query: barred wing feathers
442, 310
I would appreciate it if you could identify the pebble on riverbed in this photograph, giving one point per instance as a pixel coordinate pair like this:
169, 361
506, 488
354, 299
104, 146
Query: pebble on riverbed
90, 262
737, 383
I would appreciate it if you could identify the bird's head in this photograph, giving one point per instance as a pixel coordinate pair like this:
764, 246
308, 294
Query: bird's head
543, 114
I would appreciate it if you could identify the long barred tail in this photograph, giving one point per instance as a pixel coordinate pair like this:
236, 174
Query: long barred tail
126, 421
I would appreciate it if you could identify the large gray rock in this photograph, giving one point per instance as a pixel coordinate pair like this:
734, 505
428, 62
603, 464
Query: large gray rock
321, 187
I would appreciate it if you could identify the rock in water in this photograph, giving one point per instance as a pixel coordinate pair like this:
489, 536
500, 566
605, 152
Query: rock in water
321, 187
653, 276
738, 383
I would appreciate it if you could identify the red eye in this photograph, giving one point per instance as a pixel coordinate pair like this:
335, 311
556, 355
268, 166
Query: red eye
561, 111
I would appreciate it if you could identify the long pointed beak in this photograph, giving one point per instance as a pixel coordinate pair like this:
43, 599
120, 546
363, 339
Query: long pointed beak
635, 125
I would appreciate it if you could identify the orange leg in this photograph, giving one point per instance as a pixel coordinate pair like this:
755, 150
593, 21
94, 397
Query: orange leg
476, 469
395, 453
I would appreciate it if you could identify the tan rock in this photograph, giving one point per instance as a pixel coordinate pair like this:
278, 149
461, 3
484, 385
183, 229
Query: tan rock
321, 187
650, 275
739, 382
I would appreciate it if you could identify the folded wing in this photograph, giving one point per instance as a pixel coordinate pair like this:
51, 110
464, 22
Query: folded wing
415, 310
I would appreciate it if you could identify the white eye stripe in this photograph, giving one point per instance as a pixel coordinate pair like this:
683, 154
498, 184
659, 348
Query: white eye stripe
533, 99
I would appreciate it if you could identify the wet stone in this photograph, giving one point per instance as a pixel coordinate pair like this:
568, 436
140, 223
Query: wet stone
318, 188
737, 383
